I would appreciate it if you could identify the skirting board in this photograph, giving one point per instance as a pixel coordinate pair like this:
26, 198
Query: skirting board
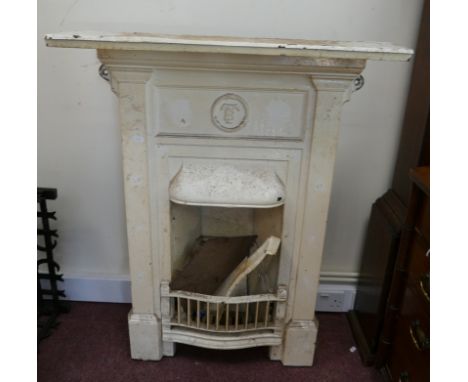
336, 291
95, 288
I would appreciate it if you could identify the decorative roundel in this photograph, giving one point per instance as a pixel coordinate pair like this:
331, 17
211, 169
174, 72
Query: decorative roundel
229, 112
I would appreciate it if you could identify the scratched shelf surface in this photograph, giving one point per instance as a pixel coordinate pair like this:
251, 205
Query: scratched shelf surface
366, 50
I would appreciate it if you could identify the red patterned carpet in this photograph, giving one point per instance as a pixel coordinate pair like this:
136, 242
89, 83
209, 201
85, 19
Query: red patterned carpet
91, 345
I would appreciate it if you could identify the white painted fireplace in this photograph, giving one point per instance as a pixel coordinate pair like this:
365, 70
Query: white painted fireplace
223, 139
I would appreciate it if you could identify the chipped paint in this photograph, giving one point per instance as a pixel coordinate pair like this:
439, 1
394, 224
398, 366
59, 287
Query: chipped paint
138, 138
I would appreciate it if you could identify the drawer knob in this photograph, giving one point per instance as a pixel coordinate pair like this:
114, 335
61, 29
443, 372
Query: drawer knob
420, 341
424, 286
404, 377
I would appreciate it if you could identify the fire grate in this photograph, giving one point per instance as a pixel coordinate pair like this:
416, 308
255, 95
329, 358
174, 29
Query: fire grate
206, 320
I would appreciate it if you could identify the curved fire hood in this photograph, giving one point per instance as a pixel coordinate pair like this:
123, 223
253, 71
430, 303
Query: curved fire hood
226, 186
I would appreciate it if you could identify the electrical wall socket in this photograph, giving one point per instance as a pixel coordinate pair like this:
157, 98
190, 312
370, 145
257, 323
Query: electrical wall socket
330, 302
335, 300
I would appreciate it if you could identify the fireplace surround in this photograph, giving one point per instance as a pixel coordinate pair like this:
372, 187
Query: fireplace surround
228, 150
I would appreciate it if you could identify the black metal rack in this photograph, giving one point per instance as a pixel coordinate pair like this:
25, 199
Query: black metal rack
49, 305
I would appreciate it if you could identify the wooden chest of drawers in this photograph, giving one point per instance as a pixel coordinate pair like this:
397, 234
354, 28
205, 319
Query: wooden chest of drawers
404, 350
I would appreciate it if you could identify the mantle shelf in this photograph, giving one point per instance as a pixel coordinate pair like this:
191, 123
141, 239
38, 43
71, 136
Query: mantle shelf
230, 45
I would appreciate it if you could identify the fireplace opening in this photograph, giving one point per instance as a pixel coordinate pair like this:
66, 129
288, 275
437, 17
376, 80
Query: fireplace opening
226, 222
224, 273
209, 245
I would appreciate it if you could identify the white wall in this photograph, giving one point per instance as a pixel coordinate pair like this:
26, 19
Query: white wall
78, 136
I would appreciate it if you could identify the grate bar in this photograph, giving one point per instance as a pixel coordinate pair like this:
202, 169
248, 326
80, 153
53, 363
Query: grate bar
179, 308
256, 313
246, 315
227, 316
188, 312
